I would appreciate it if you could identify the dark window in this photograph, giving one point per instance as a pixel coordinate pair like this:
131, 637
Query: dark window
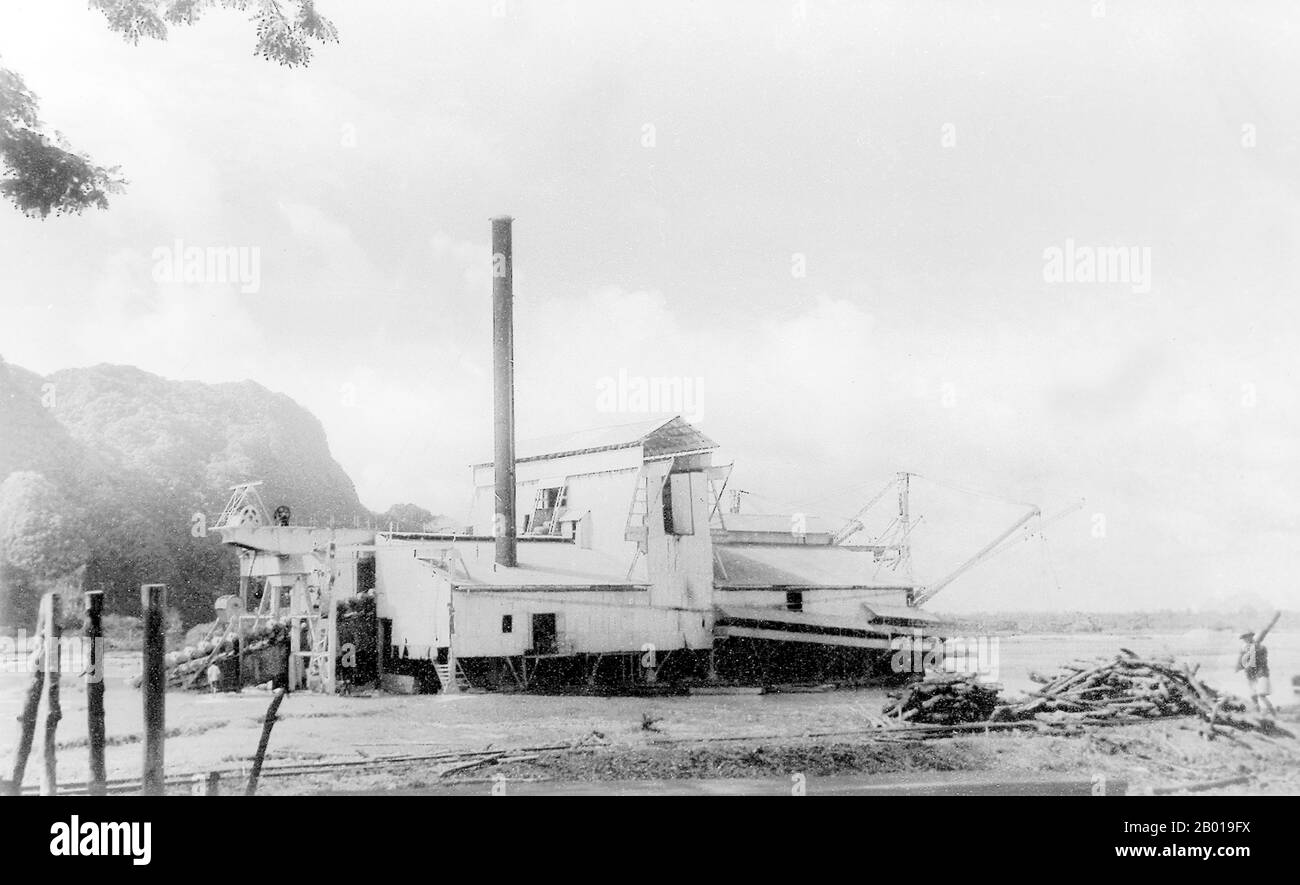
678, 519
544, 634
507, 623
366, 574
667, 497
794, 600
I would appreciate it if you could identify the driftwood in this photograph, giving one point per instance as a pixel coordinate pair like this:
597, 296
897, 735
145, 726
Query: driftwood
943, 700
1141, 688
1123, 689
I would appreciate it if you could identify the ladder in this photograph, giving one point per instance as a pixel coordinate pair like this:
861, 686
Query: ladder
319, 657
560, 498
636, 528
445, 677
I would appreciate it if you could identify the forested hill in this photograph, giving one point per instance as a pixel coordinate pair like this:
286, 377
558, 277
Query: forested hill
102, 470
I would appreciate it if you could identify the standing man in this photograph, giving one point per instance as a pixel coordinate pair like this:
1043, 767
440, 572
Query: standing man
1253, 659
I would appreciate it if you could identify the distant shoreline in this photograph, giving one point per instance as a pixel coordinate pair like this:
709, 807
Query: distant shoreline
1072, 623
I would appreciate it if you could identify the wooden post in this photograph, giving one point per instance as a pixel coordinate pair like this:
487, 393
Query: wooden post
53, 712
452, 687
31, 706
243, 578
207, 784
267, 724
381, 647
153, 599
95, 690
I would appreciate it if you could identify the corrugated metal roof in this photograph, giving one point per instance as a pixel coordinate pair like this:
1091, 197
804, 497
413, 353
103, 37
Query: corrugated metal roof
660, 436
674, 436
797, 565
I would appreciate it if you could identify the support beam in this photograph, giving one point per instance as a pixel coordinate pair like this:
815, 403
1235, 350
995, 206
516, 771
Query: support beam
929, 592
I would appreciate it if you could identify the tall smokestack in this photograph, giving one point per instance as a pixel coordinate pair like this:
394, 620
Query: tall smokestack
503, 376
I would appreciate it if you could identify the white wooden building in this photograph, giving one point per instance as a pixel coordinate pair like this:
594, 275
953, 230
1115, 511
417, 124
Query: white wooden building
628, 569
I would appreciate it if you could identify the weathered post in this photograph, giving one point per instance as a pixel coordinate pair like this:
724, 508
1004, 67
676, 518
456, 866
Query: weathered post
53, 712
31, 706
153, 598
95, 690
207, 784
267, 724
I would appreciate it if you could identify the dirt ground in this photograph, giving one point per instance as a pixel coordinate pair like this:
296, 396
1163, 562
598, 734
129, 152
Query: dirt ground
772, 736
1156, 757
627, 738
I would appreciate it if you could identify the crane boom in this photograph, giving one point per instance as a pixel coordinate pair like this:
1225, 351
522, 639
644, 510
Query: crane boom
929, 592
1055, 517
854, 525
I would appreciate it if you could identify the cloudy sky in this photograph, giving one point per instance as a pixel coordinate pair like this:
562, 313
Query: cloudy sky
840, 226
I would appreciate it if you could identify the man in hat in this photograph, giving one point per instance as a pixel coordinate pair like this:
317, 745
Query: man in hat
1253, 659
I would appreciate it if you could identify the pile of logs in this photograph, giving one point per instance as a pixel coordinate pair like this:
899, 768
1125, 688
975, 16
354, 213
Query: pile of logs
1103, 691
943, 700
1128, 687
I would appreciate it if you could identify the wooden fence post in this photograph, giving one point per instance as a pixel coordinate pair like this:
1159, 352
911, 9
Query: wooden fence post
95, 690
50, 603
153, 598
31, 705
267, 724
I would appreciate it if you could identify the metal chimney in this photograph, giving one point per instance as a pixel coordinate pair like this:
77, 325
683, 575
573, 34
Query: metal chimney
503, 377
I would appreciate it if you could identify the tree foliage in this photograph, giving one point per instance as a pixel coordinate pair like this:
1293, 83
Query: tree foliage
409, 518
40, 173
40, 531
42, 544
283, 36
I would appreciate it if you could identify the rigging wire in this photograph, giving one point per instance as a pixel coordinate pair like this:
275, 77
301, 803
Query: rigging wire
975, 492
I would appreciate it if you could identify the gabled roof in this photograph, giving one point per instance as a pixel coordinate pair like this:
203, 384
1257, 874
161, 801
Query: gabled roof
660, 437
